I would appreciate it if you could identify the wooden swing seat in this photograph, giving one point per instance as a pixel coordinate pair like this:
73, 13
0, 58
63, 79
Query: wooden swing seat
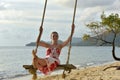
67, 67
33, 71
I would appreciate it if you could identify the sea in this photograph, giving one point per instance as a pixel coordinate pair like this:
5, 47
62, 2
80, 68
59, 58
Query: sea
12, 58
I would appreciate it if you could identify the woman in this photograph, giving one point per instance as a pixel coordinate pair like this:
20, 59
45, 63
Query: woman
51, 61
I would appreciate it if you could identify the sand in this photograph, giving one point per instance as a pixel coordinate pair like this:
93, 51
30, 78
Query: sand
88, 73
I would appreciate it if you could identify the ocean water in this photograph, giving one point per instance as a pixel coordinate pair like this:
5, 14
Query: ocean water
12, 58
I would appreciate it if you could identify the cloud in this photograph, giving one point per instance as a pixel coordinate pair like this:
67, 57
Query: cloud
91, 9
94, 3
86, 3
21, 11
20, 0
115, 6
90, 13
4, 5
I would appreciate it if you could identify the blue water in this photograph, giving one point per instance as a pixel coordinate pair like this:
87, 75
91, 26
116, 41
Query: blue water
12, 58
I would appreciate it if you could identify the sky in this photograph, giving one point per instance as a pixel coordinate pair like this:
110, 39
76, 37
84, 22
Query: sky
20, 19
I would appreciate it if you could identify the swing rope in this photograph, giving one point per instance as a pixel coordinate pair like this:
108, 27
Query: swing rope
32, 70
69, 49
41, 27
67, 62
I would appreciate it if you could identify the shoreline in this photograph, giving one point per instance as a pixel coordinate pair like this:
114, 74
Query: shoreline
83, 73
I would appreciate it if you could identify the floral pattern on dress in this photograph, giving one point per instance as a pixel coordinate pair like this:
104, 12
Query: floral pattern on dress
52, 60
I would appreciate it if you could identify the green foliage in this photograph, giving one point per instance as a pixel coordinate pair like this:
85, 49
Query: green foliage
93, 25
108, 24
112, 22
86, 37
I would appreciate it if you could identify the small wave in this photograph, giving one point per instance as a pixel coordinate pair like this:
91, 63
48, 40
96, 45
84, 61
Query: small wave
19, 75
1, 78
11, 77
89, 64
77, 66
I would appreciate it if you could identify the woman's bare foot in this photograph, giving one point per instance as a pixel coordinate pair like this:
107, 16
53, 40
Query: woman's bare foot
34, 54
34, 58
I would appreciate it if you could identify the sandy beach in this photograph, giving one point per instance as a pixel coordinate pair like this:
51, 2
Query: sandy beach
101, 72
90, 73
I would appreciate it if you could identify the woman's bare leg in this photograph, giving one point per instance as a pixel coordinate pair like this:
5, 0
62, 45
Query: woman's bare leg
38, 62
34, 56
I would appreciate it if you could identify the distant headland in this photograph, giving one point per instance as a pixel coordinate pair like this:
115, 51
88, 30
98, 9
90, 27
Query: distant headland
75, 42
81, 42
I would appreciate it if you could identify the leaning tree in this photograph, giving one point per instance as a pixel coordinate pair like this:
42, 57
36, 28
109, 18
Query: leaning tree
106, 31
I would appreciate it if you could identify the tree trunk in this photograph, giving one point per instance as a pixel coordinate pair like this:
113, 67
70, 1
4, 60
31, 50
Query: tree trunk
113, 52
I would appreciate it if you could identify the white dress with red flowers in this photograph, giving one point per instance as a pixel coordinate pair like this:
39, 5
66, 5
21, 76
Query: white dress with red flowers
52, 60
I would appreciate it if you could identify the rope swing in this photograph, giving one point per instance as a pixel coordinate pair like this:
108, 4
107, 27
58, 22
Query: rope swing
65, 67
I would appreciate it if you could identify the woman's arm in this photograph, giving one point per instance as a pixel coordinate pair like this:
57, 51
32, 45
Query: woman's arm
70, 37
43, 44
